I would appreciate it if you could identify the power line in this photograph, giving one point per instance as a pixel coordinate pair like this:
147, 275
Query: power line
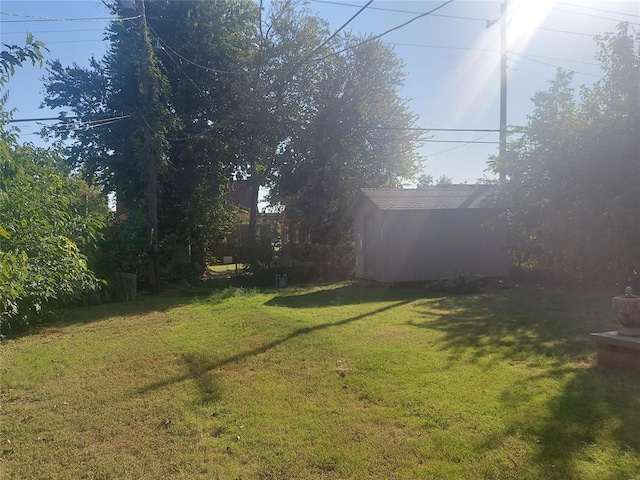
555, 30
209, 69
49, 19
457, 17
475, 140
412, 12
73, 126
464, 142
593, 16
553, 58
317, 49
75, 41
444, 47
56, 31
597, 9
74, 117
375, 37
527, 57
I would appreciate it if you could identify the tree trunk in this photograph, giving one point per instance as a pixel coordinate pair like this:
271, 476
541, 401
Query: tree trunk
125, 286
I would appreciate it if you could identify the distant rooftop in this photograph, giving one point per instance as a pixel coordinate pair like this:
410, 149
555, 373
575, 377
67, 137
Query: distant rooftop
436, 197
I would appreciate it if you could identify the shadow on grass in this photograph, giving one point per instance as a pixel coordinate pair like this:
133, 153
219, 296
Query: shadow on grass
549, 332
517, 325
347, 295
200, 366
594, 404
143, 304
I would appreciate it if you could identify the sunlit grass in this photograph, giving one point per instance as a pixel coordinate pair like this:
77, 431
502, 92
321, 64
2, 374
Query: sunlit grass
333, 382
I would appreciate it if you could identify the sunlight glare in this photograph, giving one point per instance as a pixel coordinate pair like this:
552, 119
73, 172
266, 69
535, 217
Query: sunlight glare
523, 16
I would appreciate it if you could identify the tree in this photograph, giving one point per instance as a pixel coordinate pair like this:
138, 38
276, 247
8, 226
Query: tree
574, 178
251, 92
357, 133
195, 63
424, 181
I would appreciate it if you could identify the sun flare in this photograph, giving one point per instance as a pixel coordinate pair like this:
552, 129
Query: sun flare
523, 16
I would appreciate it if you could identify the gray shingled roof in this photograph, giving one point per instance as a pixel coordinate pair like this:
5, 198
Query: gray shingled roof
432, 197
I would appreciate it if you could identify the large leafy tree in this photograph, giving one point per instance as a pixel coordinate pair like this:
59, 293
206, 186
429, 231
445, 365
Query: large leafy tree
198, 50
358, 135
574, 179
250, 91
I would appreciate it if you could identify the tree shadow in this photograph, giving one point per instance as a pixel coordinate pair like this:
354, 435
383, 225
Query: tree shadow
548, 331
209, 388
593, 403
518, 325
352, 294
199, 365
144, 303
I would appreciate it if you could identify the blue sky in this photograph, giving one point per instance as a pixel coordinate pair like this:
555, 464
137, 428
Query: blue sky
452, 59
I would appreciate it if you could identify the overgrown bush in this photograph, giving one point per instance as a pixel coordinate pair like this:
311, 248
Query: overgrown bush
50, 222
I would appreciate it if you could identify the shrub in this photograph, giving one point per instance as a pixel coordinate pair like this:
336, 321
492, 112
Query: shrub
50, 220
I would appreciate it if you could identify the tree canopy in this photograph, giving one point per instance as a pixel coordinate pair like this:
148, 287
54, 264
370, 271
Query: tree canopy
242, 91
574, 177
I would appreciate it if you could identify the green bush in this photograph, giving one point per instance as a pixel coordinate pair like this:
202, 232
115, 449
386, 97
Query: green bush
50, 222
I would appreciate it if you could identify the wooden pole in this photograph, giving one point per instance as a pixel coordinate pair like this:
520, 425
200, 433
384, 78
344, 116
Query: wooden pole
503, 89
149, 148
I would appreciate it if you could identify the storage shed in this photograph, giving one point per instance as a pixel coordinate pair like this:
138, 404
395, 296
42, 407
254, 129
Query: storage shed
424, 234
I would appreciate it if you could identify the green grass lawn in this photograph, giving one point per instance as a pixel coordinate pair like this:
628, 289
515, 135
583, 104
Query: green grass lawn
333, 382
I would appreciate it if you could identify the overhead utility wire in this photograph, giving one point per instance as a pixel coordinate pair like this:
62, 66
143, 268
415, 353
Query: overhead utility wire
375, 37
596, 9
209, 69
74, 126
484, 20
74, 117
204, 95
475, 140
88, 40
527, 57
57, 31
394, 10
593, 16
332, 36
49, 19
489, 50
312, 125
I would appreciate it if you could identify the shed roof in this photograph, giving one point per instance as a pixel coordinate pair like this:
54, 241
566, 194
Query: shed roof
437, 197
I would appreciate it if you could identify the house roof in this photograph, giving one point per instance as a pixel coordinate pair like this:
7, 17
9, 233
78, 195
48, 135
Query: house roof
437, 197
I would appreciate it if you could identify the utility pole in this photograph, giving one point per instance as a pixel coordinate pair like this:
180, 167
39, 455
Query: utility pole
149, 149
502, 152
150, 160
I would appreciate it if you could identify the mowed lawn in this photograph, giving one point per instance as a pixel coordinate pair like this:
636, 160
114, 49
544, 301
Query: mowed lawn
332, 382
